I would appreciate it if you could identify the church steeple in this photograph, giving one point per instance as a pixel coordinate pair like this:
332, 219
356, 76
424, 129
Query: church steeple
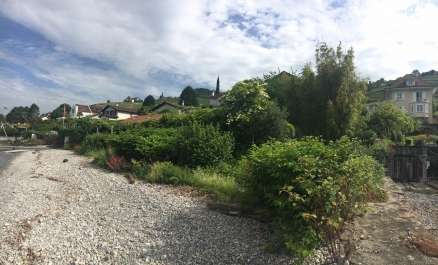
217, 86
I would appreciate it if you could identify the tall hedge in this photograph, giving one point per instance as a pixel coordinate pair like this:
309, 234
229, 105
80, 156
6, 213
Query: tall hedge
204, 145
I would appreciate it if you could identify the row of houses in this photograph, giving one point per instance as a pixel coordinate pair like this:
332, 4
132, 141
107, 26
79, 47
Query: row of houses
121, 111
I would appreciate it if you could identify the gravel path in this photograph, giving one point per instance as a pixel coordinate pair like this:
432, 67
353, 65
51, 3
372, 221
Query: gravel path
72, 213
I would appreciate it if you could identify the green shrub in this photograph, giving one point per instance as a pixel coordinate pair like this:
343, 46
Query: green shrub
168, 173
311, 187
95, 141
140, 168
203, 145
147, 144
380, 150
100, 157
223, 187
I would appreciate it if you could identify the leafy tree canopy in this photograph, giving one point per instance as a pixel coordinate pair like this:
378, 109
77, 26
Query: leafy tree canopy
188, 97
61, 112
388, 121
252, 116
23, 114
149, 101
327, 101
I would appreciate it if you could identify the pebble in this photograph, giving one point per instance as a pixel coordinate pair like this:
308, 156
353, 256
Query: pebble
118, 223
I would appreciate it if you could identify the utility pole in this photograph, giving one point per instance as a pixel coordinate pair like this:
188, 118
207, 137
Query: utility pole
63, 118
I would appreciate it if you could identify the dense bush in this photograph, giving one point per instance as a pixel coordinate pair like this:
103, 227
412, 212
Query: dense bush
95, 141
312, 187
252, 116
388, 121
203, 145
380, 150
149, 144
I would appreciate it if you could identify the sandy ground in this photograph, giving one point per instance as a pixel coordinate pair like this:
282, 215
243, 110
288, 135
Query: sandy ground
73, 213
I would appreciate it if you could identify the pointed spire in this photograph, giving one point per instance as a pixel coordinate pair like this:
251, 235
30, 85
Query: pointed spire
217, 86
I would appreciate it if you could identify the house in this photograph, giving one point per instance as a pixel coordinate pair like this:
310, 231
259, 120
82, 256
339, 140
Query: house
116, 112
80, 111
414, 93
166, 106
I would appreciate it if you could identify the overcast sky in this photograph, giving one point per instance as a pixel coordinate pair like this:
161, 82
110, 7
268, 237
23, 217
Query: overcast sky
84, 51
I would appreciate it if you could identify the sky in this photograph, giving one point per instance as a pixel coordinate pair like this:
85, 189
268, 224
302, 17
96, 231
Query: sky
85, 51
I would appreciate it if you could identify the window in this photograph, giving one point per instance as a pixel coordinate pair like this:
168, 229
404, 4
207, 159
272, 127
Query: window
419, 96
399, 95
410, 82
419, 108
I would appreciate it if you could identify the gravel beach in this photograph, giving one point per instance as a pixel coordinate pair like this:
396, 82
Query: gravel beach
73, 213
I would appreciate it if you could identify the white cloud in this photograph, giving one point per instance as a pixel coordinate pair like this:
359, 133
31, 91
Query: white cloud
197, 39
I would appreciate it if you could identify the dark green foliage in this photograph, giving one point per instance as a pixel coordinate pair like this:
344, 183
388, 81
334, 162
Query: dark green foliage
2, 118
62, 111
388, 121
23, 114
380, 150
311, 187
191, 145
203, 145
34, 112
251, 116
146, 144
95, 141
327, 102
188, 97
149, 101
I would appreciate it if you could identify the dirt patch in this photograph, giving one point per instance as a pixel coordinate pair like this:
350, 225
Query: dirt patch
426, 244
397, 231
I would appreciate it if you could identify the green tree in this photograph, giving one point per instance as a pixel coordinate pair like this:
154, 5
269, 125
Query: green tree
327, 101
62, 110
2, 118
19, 115
149, 101
188, 97
388, 121
34, 112
252, 116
